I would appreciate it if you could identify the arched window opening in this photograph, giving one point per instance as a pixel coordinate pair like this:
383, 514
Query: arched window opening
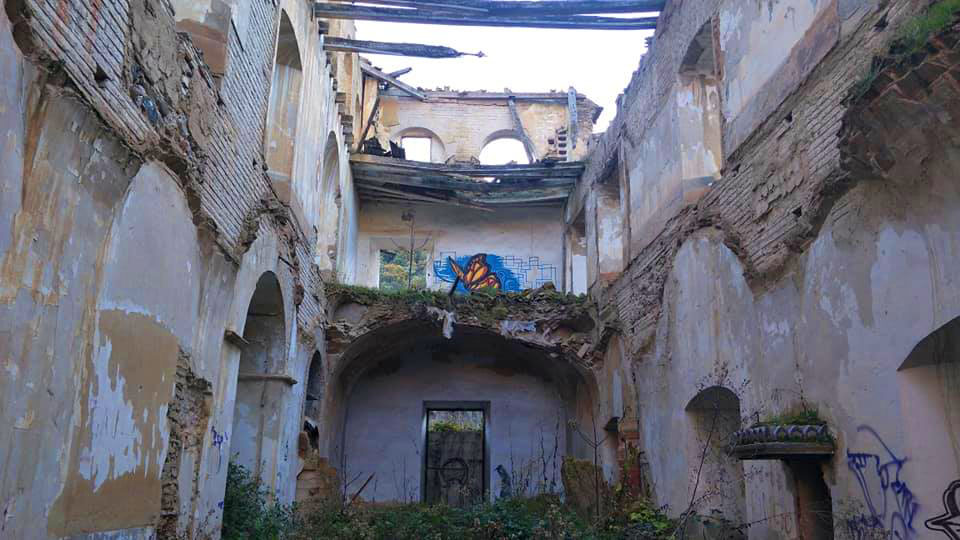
417, 148
314, 387
575, 256
284, 109
502, 151
420, 144
714, 415
928, 380
259, 396
699, 115
328, 228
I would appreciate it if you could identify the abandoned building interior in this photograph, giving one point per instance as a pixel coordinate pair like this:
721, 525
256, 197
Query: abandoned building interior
227, 237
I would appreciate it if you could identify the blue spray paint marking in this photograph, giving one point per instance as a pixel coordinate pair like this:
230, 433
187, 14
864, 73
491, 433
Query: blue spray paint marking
515, 273
892, 507
217, 440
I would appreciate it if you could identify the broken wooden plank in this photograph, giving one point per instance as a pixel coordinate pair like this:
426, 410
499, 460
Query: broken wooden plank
381, 76
400, 72
522, 133
336, 44
328, 10
369, 122
572, 112
479, 187
557, 170
426, 198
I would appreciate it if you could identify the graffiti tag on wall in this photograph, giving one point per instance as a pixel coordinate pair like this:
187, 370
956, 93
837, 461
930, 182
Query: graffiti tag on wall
890, 505
949, 522
503, 272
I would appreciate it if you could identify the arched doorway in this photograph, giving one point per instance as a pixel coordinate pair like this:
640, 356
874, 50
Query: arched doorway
258, 407
718, 488
397, 388
329, 219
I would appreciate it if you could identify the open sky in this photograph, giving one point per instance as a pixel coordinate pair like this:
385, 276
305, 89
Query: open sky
597, 63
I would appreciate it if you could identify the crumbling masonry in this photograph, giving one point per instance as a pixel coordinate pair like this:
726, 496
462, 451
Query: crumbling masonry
748, 283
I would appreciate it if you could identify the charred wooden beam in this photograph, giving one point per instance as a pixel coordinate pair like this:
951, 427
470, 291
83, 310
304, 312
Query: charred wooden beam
432, 182
542, 7
400, 72
328, 10
381, 76
425, 198
369, 122
394, 49
572, 111
522, 133
569, 169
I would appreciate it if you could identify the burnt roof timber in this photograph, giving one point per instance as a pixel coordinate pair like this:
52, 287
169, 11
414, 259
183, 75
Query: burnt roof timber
362, 177
329, 10
379, 75
563, 169
542, 7
418, 50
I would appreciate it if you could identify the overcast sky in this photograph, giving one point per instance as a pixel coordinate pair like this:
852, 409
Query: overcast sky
597, 63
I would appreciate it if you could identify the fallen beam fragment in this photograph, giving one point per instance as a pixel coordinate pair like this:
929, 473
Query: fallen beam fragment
365, 13
400, 72
336, 44
379, 75
522, 133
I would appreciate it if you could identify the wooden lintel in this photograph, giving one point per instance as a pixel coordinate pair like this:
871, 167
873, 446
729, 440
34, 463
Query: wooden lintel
329, 10
395, 49
266, 377
522, 133
381, 76
400, 72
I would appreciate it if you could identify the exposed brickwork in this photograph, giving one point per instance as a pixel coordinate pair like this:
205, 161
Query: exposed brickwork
776, 187
161, 100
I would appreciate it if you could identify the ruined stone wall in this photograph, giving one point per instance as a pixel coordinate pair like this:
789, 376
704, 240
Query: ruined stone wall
806, 273
462, 127
135, 223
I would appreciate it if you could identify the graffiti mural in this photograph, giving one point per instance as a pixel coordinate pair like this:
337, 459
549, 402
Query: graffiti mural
949, 522
890, 505
504, 272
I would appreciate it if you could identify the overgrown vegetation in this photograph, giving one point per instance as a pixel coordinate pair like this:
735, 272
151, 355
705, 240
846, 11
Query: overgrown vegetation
910, 41
248, 515
799, 417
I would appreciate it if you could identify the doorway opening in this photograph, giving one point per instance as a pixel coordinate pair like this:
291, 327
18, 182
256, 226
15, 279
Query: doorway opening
455, 466
813, 501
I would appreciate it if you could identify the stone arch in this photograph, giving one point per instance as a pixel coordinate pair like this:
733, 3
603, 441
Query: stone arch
510, 146
438, 151
533, 392
260, 392
330, 216
714, 415
928, 380
283, 112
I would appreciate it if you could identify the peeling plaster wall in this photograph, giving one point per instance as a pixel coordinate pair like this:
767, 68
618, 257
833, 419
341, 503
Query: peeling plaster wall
132, 236
533, 235
384, 419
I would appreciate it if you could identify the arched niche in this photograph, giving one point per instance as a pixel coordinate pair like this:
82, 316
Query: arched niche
259, 395
714, 415
421, 144
283, 112
328, 232
503, 147
374, 408
928, 380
